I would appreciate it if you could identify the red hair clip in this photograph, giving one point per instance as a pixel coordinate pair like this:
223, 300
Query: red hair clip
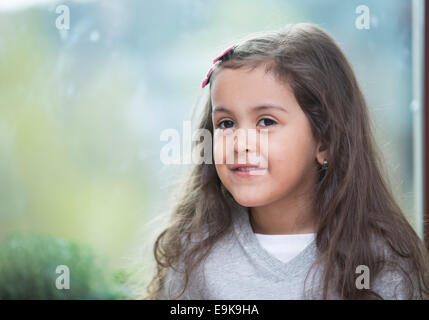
220, 57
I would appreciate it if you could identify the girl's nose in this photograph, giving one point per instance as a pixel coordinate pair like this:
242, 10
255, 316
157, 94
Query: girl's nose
244, 140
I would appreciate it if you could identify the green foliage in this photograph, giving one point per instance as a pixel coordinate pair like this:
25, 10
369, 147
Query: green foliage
28, 270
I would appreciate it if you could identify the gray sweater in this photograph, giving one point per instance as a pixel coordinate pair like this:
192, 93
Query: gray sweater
238, 267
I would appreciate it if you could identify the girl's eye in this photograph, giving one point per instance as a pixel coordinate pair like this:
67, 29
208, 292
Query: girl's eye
268, 122
227, 123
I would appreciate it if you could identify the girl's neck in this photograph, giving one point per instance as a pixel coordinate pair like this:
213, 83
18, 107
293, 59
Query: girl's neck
283, 217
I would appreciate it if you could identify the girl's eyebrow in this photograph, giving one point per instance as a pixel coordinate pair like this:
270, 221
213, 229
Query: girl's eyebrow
254, 109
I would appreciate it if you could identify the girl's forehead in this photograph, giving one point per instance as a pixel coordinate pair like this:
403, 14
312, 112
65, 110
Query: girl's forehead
249, 87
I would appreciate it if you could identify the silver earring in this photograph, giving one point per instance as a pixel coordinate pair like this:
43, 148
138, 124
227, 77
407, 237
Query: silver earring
325, 164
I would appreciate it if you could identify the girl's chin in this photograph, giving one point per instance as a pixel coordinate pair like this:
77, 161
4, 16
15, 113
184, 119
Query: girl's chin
249, 200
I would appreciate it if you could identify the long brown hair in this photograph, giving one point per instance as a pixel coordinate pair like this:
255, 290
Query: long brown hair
353, 200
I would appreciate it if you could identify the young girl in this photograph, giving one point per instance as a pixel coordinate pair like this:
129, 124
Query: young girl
313, 217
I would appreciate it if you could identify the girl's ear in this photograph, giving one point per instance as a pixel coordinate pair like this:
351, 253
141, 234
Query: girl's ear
322, 153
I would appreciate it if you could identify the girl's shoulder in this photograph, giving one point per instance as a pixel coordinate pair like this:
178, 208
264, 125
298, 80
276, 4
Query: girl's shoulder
176, 274
398, 278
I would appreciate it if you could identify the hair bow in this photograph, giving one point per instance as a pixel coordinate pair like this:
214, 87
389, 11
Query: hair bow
220, 57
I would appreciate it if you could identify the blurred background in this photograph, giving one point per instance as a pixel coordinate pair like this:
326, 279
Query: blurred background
82, 110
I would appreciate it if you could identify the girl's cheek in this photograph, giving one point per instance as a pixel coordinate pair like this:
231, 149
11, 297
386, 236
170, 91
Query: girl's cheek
263, 149
217, 152
289, 157
275, 148
223, 147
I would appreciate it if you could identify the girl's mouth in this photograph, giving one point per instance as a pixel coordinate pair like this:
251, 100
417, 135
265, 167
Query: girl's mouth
249, 171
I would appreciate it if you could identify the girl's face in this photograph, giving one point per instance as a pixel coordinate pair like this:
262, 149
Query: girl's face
247, 102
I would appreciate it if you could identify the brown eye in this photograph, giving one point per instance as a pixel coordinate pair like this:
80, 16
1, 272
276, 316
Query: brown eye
268, 122
227, 123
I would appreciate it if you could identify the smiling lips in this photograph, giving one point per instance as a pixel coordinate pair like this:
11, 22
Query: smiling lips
245, 170
245, 166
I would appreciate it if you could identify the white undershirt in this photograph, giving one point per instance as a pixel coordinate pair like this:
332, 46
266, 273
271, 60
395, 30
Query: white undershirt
285, 246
